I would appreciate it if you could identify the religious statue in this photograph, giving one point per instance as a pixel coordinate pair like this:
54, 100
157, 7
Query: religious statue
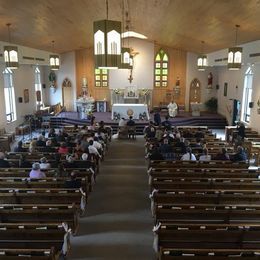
172, 109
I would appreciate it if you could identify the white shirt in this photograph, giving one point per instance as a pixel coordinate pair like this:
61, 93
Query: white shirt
122, 123
98, 145
93, 150
205, 158
188, 157
45, 166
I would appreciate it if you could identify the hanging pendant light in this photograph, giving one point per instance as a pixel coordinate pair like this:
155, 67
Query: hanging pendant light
54, 60
235, 55
202, 61
107, 43
11, 53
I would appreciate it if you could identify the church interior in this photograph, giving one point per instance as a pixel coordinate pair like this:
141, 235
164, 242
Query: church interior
129, 129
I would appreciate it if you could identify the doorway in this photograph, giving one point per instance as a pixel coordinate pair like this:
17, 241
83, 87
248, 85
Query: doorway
67, 95
195, 91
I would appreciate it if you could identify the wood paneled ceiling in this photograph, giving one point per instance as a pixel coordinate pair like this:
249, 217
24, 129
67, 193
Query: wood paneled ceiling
181, 24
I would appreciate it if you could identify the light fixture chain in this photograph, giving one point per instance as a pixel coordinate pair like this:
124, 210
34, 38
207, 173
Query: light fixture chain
107, 8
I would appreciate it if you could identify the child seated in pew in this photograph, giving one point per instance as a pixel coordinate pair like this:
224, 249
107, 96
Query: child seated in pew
44, 165
36, 172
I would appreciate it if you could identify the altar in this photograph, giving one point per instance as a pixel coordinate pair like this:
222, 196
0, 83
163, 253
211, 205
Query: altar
137, 111
85, 106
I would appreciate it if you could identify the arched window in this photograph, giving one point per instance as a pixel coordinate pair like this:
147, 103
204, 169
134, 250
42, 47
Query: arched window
161, 69
10, 108
247, 95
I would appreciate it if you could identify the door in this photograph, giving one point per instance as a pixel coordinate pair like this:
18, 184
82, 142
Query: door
67, 95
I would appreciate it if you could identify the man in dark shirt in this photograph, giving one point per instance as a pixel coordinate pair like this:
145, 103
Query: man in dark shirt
166, 123
73, 182
131, 127
3, 162
240, 156
19, 148
130, 122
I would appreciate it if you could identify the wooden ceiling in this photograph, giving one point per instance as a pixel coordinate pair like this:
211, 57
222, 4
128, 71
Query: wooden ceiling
181, 24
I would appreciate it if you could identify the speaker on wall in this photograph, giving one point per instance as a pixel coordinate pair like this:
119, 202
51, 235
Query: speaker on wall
43, 85
20, 99
251, 104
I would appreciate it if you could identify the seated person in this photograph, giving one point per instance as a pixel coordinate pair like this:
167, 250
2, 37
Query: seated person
131, 127
205, 156
155, 154
240, 155
44, 165
223, 156
188, 156
70, 162
3, 162
63, 149
166, 123
130, 122
40, 141
73, 182
149, 131
157, 118
23, 163
199, 134
36, 172
19, 148
48, 148
172, 109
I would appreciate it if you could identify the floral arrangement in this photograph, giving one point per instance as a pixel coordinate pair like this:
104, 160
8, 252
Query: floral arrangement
144, 91
117, 91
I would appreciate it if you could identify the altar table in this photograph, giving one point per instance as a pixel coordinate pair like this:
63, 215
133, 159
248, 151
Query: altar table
125, 110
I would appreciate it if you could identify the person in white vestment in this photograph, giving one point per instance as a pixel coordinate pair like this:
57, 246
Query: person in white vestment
172, 109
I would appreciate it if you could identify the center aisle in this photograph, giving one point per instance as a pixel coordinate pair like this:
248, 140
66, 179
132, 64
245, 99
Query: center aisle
118, 220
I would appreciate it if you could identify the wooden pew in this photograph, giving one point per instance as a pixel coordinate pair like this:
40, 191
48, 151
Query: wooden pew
228, 184
40, 213
207, 236
49, 183
27, 254
212, 253
34, 236
44, 196
207, 213
198, 164
210, 173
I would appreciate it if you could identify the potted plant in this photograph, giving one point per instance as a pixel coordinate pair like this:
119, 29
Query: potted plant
212, 105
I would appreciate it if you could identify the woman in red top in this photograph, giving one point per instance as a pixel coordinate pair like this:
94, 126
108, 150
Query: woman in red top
63, 149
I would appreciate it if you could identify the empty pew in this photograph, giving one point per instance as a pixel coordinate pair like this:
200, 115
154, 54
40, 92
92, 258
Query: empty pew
207, 236
212, 253
207, 213
27, 254
44, 196
40, 213
35, 236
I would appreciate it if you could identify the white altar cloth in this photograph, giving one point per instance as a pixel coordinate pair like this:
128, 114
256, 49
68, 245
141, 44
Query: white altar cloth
195, 108
125, 109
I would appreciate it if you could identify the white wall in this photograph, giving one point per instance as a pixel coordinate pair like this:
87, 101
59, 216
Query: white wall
143, 67
67, 70
192, 72
23, 78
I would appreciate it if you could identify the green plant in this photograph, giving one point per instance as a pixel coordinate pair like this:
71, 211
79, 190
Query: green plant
212, 104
